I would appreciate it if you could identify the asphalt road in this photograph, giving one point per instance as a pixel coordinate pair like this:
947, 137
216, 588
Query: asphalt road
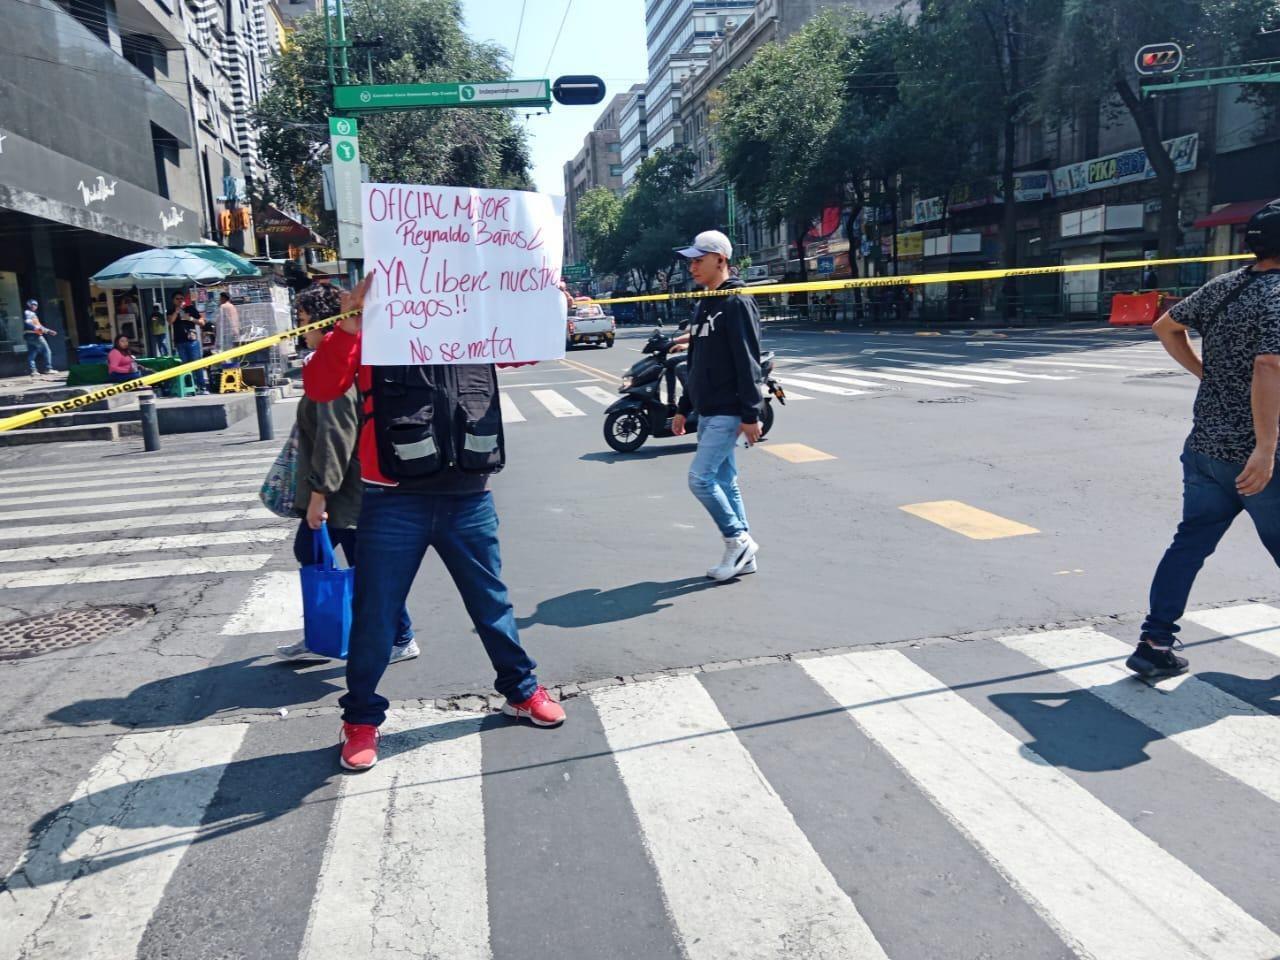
1065, 440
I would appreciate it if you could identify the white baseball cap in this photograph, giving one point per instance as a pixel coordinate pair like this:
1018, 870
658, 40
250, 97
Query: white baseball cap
708, 241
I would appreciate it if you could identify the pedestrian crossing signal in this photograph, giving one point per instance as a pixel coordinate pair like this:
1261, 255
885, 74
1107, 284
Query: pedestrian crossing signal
1156, 59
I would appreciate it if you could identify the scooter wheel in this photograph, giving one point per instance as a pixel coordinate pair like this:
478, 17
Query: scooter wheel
626, 430
766, 419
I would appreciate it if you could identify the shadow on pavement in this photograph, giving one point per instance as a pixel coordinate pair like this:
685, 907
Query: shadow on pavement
585, 608
250, 793
1080, 731
644, 453
248, 684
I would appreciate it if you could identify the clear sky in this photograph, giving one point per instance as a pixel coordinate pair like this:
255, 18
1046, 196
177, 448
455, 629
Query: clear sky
600, 37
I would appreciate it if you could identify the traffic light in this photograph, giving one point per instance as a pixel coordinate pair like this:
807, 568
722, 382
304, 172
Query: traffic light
1156, 59
576, 91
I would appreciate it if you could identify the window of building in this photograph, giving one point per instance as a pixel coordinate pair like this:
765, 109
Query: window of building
615, 169
613, 147
164, 147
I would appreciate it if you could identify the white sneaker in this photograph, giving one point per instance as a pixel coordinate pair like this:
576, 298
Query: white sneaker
749, 568
297, 651
739, 551
403, 652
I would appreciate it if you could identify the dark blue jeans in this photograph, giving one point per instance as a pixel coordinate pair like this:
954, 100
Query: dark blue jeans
1209, 504
304, 551
188, 351
396, 529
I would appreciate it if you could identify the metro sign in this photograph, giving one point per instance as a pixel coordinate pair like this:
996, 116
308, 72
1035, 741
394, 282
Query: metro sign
1158, 59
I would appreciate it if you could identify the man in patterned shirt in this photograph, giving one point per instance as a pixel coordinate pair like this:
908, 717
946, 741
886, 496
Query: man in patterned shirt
1230, 457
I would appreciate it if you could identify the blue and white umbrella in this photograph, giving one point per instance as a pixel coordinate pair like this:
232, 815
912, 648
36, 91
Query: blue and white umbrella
173, 266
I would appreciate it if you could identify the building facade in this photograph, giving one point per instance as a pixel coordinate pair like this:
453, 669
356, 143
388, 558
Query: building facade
678, 36
124, 124
597, 164
741, 35
633, 131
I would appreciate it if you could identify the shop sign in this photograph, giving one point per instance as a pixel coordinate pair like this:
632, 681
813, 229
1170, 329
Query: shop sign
910, 245
1129, 166
928, 211
43, 183
1028, 187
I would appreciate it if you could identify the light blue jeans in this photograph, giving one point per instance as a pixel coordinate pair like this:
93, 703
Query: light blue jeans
713, 475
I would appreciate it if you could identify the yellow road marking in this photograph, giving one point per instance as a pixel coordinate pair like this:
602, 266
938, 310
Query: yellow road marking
584, 368
795, 452
970, 521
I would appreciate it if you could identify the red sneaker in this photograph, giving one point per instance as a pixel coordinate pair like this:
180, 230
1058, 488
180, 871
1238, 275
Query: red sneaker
540, 709
359, 745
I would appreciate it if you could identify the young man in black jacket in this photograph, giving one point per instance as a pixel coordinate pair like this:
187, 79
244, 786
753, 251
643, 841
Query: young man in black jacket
725, 390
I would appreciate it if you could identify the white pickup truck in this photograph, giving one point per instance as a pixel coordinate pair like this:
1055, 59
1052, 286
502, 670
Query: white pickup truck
588, 324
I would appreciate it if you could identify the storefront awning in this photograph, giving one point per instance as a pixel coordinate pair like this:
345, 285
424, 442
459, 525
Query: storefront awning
270, 221
1232, 213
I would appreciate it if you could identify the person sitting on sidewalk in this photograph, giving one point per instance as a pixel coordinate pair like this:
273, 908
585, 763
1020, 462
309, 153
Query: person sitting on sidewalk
431, 437
121, 367
328, 474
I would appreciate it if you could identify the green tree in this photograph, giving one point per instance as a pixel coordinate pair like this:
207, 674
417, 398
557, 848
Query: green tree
423, 42
1091, 63
775, 123
599, 214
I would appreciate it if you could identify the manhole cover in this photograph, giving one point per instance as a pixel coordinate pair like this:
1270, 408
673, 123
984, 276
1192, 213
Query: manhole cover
34, 636
947, 400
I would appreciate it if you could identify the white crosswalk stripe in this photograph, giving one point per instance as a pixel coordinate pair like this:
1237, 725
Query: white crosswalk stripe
146, 570
711, 822
411, 866
256, 512
186, 541
904, 378
149, 463
1070, 854
110, 851
89, 496
382, 886
54, 491
1237, 738
556, 404
139, 506
958, 374
1255, 624
510, 412
822, 387
272, 604
599, 395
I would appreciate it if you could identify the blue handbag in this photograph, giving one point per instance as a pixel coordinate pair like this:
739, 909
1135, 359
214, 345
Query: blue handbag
327, 594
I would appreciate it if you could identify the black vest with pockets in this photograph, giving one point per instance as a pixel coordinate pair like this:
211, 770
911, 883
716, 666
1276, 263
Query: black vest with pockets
429, 419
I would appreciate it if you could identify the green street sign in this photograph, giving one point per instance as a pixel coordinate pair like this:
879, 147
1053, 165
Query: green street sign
576, 272
415, 96
344, 139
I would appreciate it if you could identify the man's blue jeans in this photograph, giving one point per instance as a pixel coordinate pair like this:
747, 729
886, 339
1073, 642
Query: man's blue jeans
1209, 504
39, 354
304, 551
396, 529
189, 350
713, 475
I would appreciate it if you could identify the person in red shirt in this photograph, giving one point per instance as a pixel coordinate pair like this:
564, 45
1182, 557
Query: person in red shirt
432, 436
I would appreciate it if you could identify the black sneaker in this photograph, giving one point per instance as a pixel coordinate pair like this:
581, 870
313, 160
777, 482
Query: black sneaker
1152, 664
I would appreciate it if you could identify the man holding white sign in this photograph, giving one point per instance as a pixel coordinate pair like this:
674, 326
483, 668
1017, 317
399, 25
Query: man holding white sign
458, 279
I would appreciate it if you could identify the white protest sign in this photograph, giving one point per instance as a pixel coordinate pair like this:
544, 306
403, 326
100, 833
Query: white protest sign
461, 275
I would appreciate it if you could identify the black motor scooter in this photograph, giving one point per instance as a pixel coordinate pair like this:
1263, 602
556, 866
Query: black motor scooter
642, 411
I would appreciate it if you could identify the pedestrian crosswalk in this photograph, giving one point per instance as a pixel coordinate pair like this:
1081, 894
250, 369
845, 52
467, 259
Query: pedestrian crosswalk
139, 517
1010, 797
988, 365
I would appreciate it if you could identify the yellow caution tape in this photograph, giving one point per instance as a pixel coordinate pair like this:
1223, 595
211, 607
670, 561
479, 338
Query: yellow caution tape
72, 404
115, 389
922, 278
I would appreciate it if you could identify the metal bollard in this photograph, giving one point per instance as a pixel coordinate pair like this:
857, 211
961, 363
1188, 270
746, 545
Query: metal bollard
262, 397
150, 424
